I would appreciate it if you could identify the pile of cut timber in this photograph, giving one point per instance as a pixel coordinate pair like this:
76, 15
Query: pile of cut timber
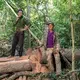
27, 67
19, 68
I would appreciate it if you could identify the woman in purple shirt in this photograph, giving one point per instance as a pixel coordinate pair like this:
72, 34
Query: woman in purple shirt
50, 37
52, 48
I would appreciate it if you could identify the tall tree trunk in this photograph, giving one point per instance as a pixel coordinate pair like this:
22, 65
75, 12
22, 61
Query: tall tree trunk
28, 15
72, 35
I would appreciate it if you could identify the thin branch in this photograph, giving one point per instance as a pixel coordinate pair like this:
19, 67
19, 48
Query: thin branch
10, 8
25, 73
78, 70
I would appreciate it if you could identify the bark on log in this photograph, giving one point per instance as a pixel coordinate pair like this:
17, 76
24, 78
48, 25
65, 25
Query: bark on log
14, 66
6, 59
68, 54
3, 76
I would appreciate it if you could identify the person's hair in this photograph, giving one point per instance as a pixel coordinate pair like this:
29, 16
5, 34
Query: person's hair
51, 23
20, 10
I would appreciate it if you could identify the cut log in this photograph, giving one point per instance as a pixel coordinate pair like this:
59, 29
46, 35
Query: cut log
68, 54
29, 62
44, 69
4, 79
7, 59
14, 66
24, 77
20, 78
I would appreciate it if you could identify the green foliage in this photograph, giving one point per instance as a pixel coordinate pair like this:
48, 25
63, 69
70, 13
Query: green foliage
58, 12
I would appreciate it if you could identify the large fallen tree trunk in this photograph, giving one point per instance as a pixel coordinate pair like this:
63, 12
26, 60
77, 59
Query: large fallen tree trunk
68, 54
7, 64
13, 66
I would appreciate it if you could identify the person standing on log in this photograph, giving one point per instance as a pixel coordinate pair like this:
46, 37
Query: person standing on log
21, 25
51, 47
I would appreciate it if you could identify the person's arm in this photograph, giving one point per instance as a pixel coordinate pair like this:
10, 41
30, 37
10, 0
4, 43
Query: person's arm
25, 28
56, 42
27, 24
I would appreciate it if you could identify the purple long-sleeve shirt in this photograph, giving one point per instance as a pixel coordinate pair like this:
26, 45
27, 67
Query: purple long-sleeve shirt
50, 39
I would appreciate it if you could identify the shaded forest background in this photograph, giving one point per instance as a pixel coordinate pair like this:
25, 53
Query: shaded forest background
57, 11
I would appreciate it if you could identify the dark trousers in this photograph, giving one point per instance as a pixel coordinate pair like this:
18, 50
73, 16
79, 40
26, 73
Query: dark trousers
18, 39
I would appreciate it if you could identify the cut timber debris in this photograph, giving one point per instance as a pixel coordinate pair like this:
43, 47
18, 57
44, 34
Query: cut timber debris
15, 68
